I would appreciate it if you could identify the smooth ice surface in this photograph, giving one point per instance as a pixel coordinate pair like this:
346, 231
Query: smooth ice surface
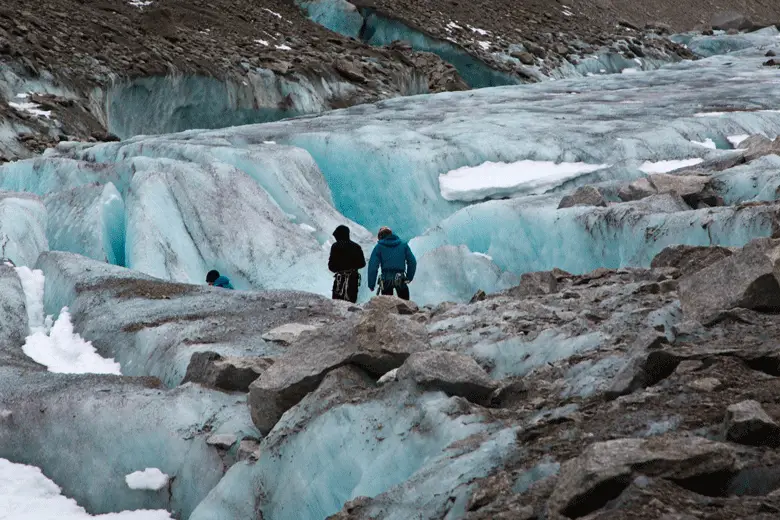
26, 494
22, 228
728, 43
499, 180
151, 479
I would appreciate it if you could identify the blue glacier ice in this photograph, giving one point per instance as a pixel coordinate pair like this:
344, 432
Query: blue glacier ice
399, 436
22, 228
723, 43
89, 220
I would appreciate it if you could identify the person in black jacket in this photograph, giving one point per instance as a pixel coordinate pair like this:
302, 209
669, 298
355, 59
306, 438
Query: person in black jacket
346, 257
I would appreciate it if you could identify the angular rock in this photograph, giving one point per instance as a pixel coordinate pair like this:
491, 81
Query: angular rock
452, 373
584, 196
375, 341
731, 20
479, 296
226, 373
692, 188
690, 259
758, 146
750, 278
391, 304
646, 366
747, 423
536, 283
287, 333
223, 440
705, 384
606, 468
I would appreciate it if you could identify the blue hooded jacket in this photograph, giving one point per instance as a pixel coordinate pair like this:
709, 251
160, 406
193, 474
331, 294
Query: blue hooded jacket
394, 256
224, 282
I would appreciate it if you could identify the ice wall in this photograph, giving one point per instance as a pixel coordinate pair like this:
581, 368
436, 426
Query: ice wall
22, 227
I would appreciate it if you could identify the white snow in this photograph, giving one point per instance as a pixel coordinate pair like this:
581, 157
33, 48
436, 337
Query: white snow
26, 494
668, 166
140, 4
709, 114
485, 45
481, 32
151, 479
736, 140
483, 255
567, 13
503, 179
452, 25
629, 71
262, 42
273, 13
707, 143
269, 142
283, 47
388, 376
308, 228
30, 108
57, 346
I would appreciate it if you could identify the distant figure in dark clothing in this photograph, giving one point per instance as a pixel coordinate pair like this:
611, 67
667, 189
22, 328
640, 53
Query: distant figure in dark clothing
398, 265
215, 279
346, 257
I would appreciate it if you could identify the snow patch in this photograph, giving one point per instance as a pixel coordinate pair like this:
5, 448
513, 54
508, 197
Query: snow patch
668, 166
140, 4
485, 45
56, 345
707, 143
491, 179
481, 32
26, 494
262, 42
389, 376
30, 108
151, 479
629, 71
736, 140
273, 13
483, 255
453, 26
283, 47
308, 228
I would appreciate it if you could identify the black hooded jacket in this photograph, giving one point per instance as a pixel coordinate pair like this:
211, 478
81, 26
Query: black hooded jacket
345, 255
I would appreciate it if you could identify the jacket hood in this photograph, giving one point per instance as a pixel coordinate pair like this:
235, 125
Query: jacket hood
390, 241
341, 233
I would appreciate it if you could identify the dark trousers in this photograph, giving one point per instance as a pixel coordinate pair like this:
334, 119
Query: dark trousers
351, 293
401, 290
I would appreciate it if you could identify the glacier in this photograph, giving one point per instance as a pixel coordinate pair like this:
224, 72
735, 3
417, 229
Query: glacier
115, 239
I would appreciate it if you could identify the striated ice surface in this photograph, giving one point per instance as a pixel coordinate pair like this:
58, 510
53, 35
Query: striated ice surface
22, 228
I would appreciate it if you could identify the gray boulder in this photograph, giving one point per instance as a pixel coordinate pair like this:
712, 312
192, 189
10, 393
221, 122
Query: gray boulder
391, 304
611, 466
376, 341
758, 146
731, 20
646, 365
690, 259
452, 373
287, 333
748, 278
747, 423
693, 189
584, 196
536, 283
226, 373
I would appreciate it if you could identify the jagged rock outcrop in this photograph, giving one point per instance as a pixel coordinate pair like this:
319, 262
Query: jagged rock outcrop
758, 146
606, 468
226, 373
583, 196
450, 372
690, 259
694, 190
377, 342
750, 278
746, 422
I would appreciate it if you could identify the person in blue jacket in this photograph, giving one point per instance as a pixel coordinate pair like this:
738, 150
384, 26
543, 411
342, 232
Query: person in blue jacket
214, 278
398, 265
